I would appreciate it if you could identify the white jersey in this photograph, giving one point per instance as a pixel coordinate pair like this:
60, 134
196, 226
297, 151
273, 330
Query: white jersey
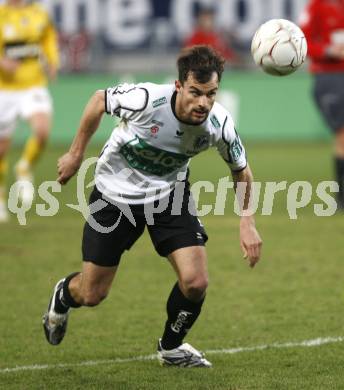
150, 149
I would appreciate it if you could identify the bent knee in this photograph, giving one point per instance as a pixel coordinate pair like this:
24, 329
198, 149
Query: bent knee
195, 288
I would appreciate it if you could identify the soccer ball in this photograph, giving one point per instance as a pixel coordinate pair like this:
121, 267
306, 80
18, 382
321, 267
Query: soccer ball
279, 47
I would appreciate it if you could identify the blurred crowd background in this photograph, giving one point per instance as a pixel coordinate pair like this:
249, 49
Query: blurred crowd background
144, 35
103, 42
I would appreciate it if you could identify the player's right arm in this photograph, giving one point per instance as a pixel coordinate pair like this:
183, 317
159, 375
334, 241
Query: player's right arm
69, 163
126, 101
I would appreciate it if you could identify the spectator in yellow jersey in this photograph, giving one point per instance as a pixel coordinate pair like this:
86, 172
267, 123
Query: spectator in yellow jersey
28, 58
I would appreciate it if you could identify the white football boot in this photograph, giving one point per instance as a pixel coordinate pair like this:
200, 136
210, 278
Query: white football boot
183, 356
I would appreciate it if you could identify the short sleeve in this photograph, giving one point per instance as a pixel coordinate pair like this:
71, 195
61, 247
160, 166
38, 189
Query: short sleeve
126, 101
230, 147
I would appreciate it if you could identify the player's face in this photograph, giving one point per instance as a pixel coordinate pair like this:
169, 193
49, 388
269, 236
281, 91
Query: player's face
194, 99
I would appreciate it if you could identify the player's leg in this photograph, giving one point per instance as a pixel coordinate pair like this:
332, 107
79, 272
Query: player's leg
8, 115
4, 147
40, 124
37, 111
102, 252
91, 286
180, 236
329, 96
183, 308
339, 164
86, 288
187, 296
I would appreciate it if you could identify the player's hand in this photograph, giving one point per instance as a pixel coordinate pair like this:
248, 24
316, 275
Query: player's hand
67, 166
9, 65
250, 241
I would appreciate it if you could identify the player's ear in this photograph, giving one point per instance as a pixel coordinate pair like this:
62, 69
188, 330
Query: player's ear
178, 85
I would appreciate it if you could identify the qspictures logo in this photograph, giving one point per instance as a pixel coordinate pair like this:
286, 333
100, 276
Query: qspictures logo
297, 196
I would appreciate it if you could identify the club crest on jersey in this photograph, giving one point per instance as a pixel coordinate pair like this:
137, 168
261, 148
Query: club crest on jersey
201, 143
154, 130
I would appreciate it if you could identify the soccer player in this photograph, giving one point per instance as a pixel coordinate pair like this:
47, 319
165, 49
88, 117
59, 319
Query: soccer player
144, 166
28, 54
323, 25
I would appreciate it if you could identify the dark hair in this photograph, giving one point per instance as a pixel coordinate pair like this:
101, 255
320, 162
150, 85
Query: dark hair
202, 61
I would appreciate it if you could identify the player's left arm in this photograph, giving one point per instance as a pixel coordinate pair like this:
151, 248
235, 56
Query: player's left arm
250, 240
232, 150
50, 50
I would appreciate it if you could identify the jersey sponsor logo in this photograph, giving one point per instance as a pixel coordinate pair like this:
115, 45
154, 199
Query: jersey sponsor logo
215, 122
140, 155
159, 102
21, 50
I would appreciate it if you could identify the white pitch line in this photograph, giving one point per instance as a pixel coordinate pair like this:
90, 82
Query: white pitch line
306, 343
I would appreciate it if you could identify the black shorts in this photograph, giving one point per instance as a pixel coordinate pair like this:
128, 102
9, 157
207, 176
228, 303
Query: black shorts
168, 232
329, 96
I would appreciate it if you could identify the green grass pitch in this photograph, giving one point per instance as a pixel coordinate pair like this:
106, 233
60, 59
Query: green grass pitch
294, 294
